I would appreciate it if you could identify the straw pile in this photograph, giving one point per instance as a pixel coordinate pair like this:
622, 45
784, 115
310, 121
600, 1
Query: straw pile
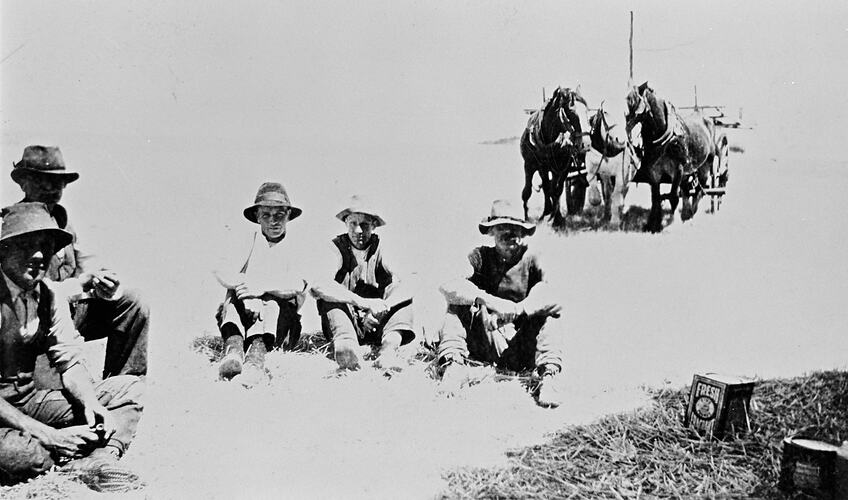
650, 454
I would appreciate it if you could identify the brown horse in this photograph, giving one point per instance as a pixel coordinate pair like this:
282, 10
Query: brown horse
554, 144
678, 151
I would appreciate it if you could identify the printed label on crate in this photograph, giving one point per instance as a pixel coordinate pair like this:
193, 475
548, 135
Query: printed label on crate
807, 476
704, 410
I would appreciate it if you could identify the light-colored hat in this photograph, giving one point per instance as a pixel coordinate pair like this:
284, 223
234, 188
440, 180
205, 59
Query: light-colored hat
360, 205
504, 212
271, 194
31, 217
42, 160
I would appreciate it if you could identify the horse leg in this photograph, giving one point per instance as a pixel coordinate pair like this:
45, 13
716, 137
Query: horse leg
528, 186
546, 191
557, 186
616, 200
654, 223
674, 197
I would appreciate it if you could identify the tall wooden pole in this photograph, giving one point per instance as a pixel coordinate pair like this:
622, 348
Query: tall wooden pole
631, 45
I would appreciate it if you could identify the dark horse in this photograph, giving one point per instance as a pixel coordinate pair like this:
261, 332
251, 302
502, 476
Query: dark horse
554, 144
677, 150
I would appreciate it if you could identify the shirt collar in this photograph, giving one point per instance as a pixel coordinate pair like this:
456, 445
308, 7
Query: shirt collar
15, 291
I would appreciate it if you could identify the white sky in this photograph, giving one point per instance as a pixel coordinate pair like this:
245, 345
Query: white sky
260, 71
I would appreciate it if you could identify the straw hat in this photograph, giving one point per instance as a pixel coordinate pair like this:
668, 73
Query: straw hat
504, 212
31, 217
271, 194
42, 160
360, 205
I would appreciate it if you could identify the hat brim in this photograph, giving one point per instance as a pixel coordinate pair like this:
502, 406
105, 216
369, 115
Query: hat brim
23, 172
60, 236
250, 212
378, 221
486, 225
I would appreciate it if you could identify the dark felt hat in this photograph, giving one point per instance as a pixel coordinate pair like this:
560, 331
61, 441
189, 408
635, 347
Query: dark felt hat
271, 194
42, 160
504, 212
31, 217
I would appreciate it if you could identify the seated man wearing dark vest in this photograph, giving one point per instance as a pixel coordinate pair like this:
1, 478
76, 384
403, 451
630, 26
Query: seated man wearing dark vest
40, 427
501, 311
364, 303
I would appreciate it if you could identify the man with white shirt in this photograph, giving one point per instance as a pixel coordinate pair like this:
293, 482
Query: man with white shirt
38, 427
260, 310
364, 303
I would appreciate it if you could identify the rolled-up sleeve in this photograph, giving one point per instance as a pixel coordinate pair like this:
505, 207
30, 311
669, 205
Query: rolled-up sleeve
64, 343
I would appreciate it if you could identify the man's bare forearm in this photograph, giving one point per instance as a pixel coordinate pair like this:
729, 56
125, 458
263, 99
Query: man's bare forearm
464, 293
80, 385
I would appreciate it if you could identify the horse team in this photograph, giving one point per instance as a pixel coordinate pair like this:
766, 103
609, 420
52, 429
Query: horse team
571, 151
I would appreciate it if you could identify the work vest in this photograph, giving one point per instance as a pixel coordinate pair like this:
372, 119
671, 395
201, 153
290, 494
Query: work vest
373, 280
16, 371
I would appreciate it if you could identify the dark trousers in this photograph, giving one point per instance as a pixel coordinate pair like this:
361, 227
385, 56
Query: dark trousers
124, 323
536, 341
280, 321
23, 457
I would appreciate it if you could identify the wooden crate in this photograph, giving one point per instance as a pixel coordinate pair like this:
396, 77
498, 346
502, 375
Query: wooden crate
719, 405
814, 468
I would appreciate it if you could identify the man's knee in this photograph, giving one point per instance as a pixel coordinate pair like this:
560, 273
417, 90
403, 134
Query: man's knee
336, 322
121, 390
132, 300
21, 457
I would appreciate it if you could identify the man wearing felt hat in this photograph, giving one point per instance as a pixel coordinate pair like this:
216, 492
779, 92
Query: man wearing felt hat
260, 310
501, 311
364, 303
43, 427
101, 305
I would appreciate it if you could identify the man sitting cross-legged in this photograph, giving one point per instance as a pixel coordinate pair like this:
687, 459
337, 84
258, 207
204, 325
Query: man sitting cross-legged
39, 428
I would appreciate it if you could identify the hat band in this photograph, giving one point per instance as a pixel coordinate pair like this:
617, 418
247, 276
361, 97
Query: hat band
507, 217
43, 167
272, 197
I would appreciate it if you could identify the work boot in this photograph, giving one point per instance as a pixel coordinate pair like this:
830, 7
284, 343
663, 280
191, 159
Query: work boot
548, 394
231, 363
101, 471
345, 352
454, 375
254, 364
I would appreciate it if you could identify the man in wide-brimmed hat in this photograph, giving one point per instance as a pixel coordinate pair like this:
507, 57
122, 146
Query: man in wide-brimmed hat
39, 427
260, 310
501, 311
364, 303
101, 305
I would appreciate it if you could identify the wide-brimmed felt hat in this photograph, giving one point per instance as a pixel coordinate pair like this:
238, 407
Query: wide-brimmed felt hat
361, 205
271, 194
31, 217
42, 160
504, 212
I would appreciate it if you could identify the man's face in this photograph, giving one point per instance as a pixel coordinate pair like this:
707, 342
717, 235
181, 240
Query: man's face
273, 221
44, 188
25, 258
359, 230
509, 239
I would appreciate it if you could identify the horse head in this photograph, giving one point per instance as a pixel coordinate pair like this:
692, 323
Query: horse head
601, 133
574, 116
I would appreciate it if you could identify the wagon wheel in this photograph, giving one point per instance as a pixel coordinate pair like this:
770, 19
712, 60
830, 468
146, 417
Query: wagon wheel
719, 173
723, 161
